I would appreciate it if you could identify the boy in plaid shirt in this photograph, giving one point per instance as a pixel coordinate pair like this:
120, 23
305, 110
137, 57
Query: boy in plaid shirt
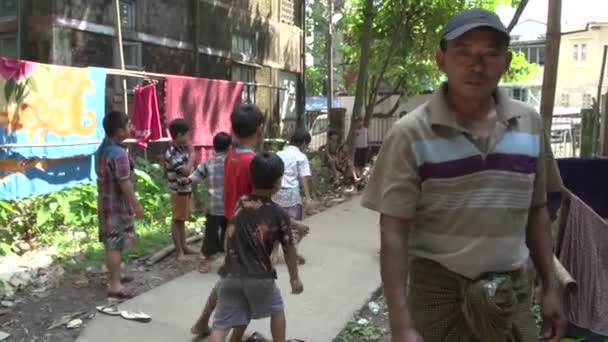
117, 206
213, 171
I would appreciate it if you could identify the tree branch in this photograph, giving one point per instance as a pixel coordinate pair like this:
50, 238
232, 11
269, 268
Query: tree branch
517, 15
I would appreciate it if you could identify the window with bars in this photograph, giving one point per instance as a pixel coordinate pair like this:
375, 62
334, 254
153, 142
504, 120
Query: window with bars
579, 52
8, 8
8, 45
565, 100
244, 44
246, 74
287, 12
133, 61
127, 14
533, 54
587, 102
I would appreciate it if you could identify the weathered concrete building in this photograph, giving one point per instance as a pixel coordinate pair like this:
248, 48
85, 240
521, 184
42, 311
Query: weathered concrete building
257, 41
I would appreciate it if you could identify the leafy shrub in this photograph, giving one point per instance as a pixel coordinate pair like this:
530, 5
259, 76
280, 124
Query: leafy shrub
69, 217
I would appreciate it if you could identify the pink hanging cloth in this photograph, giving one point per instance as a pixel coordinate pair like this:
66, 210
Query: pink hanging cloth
206, 104
145, 122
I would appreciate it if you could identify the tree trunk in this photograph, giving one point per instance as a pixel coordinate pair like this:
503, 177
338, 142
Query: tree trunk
550, 73
366, 42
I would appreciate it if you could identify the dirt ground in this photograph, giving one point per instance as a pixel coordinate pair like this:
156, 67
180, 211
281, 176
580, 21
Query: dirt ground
76, 297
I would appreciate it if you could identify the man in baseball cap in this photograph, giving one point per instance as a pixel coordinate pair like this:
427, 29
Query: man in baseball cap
461, 187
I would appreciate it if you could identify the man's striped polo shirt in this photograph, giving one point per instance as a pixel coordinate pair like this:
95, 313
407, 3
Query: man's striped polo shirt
469, 204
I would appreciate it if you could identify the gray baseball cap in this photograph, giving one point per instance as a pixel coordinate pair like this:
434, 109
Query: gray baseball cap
465, 21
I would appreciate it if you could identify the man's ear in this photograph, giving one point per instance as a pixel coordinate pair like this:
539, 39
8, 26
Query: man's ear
440, 59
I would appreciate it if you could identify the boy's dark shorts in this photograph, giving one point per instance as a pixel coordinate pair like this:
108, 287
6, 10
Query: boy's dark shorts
241, 300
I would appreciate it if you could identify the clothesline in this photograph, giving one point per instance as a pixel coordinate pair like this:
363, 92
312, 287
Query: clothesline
145, 74
80, 143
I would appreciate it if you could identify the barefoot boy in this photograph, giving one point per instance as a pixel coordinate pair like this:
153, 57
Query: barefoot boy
215, 227
178, 164
117, 205
247, 289
248, 127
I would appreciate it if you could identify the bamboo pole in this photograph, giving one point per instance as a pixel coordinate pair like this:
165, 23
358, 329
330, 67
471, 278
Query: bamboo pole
598, 105
598, 111
554, 16
125, 97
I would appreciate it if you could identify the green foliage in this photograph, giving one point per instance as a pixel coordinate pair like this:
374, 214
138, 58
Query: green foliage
315, 80
320, 183
360, 333
406, 35
521, 70
68, 219
316, 26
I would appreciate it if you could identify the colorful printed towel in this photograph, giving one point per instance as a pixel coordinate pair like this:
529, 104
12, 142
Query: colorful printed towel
50, 125
30, 177
50, 105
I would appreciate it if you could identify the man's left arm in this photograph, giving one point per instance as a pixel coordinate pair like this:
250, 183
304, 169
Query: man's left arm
540, 243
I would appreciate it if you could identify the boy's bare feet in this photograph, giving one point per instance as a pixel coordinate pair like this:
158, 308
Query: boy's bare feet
205, 265
180, 257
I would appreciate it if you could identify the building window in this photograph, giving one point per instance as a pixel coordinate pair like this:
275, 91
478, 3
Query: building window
566, 100
244, 73
583, 56
8, 8
541, 55
243, 44
579, 52
533, 54
127, 14
8, 45
133, 61
287, 11
587, 103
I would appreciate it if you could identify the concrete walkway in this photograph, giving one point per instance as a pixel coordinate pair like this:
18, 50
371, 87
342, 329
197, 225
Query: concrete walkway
341, 272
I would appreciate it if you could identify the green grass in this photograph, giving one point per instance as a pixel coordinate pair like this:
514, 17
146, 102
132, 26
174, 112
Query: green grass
79, 254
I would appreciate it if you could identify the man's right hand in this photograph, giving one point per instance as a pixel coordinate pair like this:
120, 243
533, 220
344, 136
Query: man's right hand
296, 286
138, 210
409, 335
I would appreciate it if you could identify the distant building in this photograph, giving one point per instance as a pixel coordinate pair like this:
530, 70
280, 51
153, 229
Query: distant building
528, 37
580, 65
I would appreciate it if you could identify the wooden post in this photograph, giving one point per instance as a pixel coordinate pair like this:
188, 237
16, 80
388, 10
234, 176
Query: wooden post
125, 97
551, 62
598, 107
197, 37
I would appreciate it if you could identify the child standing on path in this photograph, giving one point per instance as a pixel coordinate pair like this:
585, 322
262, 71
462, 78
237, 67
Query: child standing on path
297, 174
117, 205
178, 164
248, 127
247, 289
215, 227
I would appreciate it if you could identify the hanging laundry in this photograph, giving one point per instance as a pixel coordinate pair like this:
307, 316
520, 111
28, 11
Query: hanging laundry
145, 122
22, 178
581, 248
47, 104
206, 104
